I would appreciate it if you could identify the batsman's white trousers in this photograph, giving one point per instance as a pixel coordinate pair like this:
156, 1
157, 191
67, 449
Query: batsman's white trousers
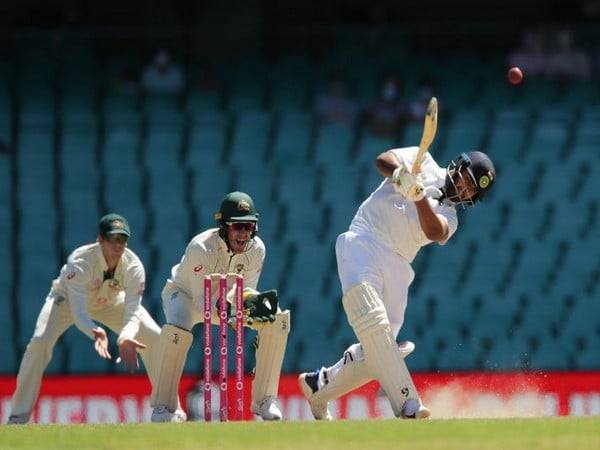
362, 259
53, 320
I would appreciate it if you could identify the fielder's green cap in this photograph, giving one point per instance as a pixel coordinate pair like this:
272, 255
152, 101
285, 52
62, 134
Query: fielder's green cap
237, 207
114, 224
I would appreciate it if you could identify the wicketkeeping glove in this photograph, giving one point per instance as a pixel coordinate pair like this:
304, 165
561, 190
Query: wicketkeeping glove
260, 306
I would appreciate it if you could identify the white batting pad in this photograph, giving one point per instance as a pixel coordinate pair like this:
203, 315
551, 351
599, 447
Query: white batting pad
367, 316
272, 340
349, 373
169, 361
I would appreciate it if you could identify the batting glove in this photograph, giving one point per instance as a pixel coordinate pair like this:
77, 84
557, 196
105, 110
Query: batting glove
408, 184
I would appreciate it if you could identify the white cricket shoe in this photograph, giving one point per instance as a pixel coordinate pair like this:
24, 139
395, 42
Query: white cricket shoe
162, 414
308, 383
414, 409
267, 409
18, 420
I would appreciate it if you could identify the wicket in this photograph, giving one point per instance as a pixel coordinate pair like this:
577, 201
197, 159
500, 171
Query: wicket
239, 346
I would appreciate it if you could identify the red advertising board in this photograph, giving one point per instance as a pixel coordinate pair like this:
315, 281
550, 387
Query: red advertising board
123, 398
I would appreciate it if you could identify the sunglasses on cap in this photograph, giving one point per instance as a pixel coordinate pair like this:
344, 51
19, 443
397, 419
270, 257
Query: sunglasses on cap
116, 238
242, 226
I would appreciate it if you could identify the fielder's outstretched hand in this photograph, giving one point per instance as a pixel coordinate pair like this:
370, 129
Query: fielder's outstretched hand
128, 353
101, 342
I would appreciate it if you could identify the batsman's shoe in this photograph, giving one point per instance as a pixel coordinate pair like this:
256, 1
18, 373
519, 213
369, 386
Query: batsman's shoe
162, 414
414, 409
267, 409
308, 383
17, 420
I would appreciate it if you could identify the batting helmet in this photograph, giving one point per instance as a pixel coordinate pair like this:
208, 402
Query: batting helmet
236, 207
478, 167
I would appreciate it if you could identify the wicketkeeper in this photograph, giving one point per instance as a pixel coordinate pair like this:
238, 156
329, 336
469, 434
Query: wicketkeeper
232, 247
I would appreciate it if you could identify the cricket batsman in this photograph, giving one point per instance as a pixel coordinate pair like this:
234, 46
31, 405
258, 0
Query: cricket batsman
406, 212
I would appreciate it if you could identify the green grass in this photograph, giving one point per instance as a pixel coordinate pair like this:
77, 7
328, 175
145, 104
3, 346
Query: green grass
550, 433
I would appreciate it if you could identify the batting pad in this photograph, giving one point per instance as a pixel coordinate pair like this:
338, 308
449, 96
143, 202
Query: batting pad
173, 347
272, 340
367, 316
350, 372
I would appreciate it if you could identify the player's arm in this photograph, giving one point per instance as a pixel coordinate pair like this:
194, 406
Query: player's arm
386, 163
403, 180
76, 280
435, 226
77, 277
134, 290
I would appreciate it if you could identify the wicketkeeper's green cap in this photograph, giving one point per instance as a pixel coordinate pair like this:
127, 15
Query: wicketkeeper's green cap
113, 224
237, 207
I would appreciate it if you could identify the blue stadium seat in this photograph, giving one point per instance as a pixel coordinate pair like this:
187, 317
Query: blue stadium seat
209, 186
457, 356
370, 147
80, 219
507, 354
250, 138
550, 355
80, 354
333, 145
207, 141
293, 137
199, 102
296, 185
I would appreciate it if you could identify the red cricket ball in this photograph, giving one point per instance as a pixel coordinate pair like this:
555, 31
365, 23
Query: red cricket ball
515, 76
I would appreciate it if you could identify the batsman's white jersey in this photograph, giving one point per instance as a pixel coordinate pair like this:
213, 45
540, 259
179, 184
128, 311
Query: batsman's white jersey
80, 295
385, 236
206, 254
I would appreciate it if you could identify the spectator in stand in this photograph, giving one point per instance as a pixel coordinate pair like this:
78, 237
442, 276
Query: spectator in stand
386, 116
162, 76
334, 105
566, 62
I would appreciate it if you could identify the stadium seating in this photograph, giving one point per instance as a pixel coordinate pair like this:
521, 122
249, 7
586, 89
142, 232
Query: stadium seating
513, 290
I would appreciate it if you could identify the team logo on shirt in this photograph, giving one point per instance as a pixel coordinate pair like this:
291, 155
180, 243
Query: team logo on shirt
198, 268
239, 268
71, 275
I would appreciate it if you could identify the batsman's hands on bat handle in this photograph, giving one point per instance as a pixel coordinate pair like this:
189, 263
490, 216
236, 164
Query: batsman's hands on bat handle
408, 184
128, 353
260, 307
101, 342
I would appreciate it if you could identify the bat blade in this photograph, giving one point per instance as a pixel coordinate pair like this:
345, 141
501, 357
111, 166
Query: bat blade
429, 129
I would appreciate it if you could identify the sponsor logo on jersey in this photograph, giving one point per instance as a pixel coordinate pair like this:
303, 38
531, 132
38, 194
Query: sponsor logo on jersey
239, 268
198, 268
